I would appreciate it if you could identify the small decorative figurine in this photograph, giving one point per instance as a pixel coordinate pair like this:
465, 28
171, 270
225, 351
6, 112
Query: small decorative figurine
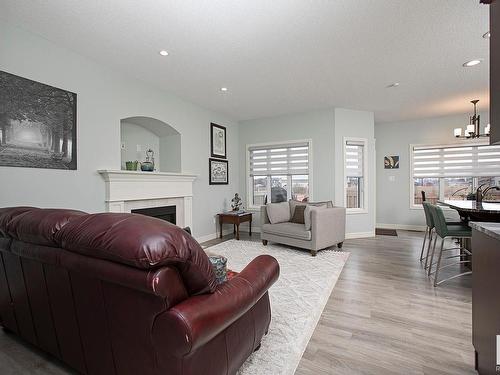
236, 202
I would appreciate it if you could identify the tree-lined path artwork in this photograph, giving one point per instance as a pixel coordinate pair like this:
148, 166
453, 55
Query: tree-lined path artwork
37, 124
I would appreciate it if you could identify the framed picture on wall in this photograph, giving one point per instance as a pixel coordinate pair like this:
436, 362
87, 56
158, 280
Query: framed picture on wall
218, 171
391, 162
218, 141
37, 124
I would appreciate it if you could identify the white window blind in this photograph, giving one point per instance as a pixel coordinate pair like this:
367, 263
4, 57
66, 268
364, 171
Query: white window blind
354, 158
289, 159
455, 161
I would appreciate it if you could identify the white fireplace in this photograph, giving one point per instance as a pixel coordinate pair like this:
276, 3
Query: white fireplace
130, 190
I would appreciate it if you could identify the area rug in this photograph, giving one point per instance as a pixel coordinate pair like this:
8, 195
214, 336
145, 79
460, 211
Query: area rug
297, 300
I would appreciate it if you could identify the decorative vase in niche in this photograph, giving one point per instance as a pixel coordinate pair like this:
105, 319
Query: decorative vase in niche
149, 164
131, 165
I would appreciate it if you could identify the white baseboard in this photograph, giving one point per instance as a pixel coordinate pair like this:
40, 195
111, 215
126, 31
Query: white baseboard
418, 228
212, 236
225, 232
350, 236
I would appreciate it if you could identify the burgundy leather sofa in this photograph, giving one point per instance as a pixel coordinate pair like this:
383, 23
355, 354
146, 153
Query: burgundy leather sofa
126, 294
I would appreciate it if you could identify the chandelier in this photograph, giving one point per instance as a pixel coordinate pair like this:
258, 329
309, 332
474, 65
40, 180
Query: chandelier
473, 130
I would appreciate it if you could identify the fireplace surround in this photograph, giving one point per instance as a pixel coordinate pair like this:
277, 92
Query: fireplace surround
127, 191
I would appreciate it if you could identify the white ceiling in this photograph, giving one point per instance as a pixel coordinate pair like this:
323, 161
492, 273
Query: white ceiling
282, 56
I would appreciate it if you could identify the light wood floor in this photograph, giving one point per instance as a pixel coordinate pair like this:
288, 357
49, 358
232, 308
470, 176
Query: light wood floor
383, 317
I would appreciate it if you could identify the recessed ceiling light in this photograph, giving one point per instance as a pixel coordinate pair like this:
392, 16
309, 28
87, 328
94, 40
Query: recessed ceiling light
395, 84
223, 89
468, 64
487, 35
163, 53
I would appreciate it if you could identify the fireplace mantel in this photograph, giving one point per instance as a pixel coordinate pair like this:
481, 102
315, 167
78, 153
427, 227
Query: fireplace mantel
128, 190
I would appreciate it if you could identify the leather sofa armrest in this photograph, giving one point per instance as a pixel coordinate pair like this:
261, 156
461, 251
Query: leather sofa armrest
197, 320
328, 227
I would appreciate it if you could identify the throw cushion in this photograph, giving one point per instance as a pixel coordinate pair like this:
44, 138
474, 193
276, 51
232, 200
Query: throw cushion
293, 204
278, 212
298, 215
307, 214
219, 266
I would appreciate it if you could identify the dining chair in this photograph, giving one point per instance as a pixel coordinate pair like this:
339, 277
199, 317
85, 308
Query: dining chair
445, 230
429, 231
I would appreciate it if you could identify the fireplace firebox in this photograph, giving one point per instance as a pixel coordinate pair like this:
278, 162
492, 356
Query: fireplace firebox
166, 213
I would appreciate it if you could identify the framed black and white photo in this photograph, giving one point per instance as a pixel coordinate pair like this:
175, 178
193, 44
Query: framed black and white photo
217, 141
218, 172
37, 124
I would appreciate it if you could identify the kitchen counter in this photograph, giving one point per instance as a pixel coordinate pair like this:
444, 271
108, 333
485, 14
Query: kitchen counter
490, 229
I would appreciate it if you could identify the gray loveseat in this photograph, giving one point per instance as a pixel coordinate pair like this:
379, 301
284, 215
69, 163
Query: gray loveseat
323, 225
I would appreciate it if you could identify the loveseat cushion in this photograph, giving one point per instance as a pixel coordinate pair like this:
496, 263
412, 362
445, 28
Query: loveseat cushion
142, 242
278, 212
39, 225
294, 204
291, 230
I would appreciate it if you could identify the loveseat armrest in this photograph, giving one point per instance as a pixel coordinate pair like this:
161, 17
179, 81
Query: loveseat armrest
328, 227
264, 219
198, 319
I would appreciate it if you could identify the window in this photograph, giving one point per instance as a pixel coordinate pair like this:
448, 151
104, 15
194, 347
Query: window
453, 171
355, 180
278, 172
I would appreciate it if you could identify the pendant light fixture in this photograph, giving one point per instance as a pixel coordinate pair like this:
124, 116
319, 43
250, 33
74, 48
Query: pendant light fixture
473, 130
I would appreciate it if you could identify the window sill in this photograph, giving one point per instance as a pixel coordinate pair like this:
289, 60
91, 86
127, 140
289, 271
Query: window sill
356, 211
253, 209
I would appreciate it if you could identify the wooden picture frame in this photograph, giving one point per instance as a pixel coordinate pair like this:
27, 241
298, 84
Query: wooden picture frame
218, 171
218, 141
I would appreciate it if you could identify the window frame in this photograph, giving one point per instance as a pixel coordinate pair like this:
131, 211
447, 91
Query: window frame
364, 209
467, 143
249, 179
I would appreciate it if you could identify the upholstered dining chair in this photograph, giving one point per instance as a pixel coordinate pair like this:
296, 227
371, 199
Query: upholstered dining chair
445, 230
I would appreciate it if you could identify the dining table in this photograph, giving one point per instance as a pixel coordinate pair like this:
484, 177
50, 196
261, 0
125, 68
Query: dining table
474, 211
470, 212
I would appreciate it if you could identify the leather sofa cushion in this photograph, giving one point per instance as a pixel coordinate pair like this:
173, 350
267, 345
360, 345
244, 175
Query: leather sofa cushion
278, 212
39, 225
7, 214
291, 230
142, 242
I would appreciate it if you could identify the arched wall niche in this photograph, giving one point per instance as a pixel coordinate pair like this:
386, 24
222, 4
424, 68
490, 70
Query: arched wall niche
140, 133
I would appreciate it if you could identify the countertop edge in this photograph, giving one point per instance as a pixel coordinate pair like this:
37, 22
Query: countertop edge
490, 229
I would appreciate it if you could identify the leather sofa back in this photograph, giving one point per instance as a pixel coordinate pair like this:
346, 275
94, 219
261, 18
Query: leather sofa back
135, 240
142, 242
39, 225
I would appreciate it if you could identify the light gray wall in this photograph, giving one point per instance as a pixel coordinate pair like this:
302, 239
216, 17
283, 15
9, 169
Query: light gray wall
393, 197
134, 137
105, 97
316, 126
327, 159
170, 153
356, 124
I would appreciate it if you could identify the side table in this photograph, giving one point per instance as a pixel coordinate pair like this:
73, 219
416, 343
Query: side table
235, 218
